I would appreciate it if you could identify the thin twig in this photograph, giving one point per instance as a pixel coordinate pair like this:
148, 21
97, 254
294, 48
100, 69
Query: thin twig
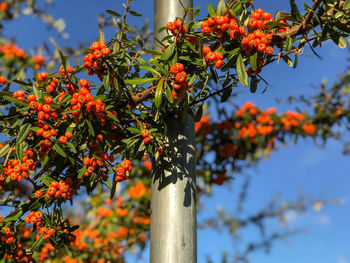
127, 7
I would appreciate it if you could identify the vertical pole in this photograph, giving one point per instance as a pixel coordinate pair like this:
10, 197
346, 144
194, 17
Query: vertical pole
173, 198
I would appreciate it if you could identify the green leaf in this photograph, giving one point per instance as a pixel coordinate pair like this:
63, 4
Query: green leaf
59, 150
82, 171
231, 60
114, 187
253, 59
295, 11
288, 61
106, 81
159, 94
37, 92
254, 84
23, 132
102, 35
15, 101
199, 114
113, 13
151, 70
64, 59
241, 72
236, 9
72, 147
37, 243
295, 61
46, 180
14, 216
153, 52
289, 44
212, 10
277, 16
134, 130
133, 13
4, 150
168, 93
19, 150
112, 116
139, 81
339, 40
347, 4
213, 75
222, 8
46, 159
192, 80
91, 128
168, 52
139, 41
226, 94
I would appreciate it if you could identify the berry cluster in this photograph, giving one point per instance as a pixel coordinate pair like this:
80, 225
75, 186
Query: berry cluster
221, 24
62, 189
50, 88
146, 137
93, 62
45, 250
46, 232
19, 95
123, 170
19, 254
213, 57
92, 163
16, 169
3, 80
11, 51
39, 61
180, 84
34, 218
6, 235
83, 101
177, 27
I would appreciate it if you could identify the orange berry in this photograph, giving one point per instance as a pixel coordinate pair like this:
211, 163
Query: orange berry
218, 55
144, 133
70, 69
269, 50
48, 99
170, 26
47, 108
31, 97
68, 134
219, 63
206, 31
100, 138
33, 105
38, 214
3, 80
147, 140
38, 194
206, 50
63, 139
180, 77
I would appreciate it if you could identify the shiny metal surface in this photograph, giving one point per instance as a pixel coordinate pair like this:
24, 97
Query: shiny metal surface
173, 199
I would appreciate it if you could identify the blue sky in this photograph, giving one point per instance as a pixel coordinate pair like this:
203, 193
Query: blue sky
295, 168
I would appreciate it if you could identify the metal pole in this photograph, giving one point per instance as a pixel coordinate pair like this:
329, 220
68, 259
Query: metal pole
173, 198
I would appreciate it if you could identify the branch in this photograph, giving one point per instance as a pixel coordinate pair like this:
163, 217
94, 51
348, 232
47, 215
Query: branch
140, 97
298, 29
132, 62
127, 7
3, 118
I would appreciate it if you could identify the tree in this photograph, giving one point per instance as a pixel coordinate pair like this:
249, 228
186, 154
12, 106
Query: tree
124, 119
